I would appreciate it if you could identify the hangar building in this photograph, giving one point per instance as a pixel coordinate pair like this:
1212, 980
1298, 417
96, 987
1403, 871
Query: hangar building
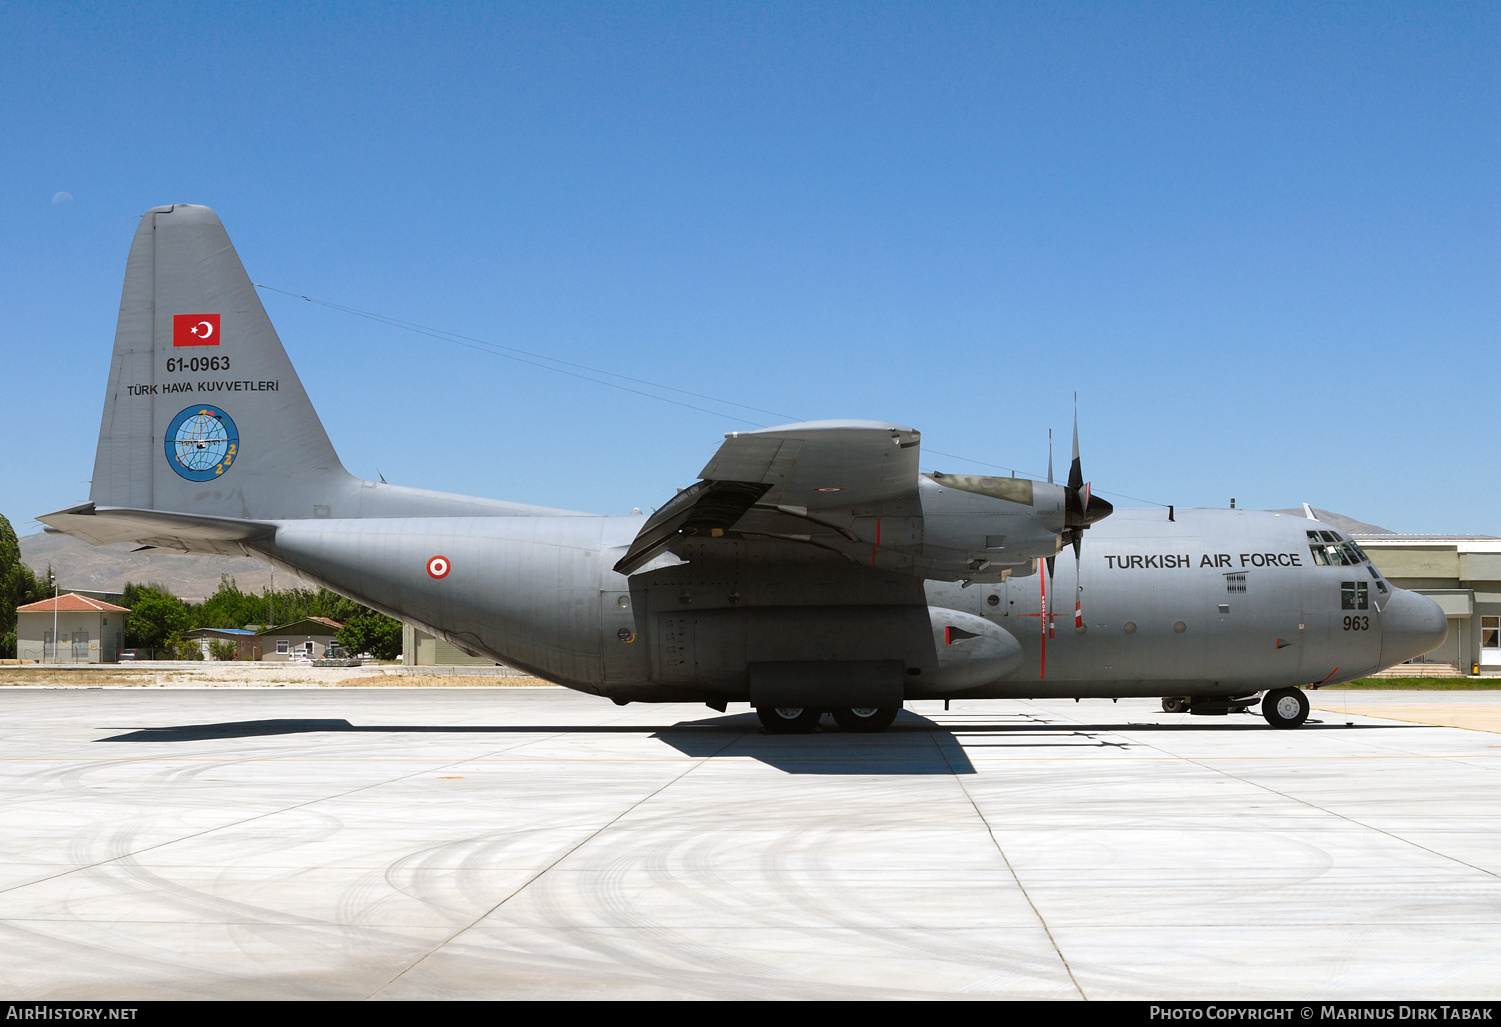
1462, 573
419, 649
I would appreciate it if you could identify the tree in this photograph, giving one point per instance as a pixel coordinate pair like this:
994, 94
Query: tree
228, 607
18, 586
372, 633
156, 616
223, 649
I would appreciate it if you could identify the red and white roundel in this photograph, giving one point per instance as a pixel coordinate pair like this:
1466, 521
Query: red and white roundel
437, 567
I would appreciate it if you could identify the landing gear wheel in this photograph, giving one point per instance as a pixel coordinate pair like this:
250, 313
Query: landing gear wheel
1175, 704
789, 720
1285, 707
865, 718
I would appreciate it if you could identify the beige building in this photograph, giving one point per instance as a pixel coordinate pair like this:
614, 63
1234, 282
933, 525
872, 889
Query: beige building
87, 630
1462, 573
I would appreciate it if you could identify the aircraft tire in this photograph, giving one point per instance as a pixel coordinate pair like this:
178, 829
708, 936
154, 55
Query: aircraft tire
1285, 707
865, 719
789, 720
1175, 704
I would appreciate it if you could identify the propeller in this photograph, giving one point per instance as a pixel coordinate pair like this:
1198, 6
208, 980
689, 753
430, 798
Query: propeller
1047, 620
1081, 509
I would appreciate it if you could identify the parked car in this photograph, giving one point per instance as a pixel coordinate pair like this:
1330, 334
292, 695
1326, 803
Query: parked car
132, 654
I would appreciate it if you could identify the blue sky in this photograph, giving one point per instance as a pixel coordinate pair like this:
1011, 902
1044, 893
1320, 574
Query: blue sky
1259, 240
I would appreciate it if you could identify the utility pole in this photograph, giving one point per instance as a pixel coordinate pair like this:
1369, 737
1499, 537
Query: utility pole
57, 654
272, 597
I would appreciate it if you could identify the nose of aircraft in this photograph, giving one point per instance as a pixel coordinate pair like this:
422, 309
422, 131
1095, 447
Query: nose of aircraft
1412, 625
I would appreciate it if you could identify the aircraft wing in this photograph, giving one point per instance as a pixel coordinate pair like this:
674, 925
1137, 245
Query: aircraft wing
793, 483
821, 464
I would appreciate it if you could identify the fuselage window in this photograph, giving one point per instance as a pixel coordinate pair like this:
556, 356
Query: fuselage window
1235, 582
1354, 595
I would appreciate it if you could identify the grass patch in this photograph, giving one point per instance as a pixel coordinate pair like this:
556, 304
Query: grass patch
89, 679
1425, 684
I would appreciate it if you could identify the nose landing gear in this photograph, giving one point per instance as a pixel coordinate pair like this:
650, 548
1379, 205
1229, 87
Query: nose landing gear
1285, 707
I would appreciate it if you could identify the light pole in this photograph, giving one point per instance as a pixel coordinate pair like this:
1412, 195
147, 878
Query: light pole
57, 654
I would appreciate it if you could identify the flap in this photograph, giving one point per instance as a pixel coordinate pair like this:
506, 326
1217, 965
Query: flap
708, 507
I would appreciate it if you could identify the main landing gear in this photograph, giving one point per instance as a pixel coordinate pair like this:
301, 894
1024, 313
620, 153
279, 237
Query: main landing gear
799, 720
1285, 707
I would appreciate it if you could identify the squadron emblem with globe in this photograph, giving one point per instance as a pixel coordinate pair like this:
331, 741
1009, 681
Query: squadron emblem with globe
201, 443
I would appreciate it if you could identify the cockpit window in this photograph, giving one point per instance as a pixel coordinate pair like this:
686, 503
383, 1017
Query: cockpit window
1380, 585
1330, 551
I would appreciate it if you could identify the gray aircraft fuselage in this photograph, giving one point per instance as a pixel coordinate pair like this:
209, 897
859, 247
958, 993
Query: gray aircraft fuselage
812, 565
1213, 602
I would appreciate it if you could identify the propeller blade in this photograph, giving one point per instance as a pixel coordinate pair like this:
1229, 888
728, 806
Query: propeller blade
1050, 456
1075, 470
1048, 615
1078, 586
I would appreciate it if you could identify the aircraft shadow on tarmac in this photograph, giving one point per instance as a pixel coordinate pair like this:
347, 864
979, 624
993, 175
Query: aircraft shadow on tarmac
912, 745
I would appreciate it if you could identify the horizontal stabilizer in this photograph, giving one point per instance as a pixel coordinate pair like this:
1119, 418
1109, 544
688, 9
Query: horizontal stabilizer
186, 533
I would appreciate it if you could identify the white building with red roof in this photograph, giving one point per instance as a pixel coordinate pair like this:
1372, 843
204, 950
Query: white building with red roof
87, 630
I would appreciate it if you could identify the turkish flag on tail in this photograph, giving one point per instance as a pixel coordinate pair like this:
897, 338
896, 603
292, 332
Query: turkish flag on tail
195, 329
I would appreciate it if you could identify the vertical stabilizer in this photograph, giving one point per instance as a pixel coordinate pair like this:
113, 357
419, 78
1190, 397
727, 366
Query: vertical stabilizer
204, 413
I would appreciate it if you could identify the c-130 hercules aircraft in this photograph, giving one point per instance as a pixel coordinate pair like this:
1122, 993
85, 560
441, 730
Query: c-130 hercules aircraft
811, 569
